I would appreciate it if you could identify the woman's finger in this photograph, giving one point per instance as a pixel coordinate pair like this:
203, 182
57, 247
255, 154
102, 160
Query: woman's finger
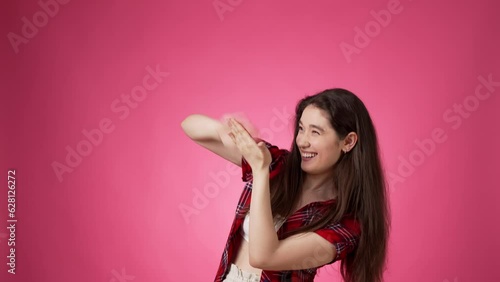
243, 120
240, 132
232, 136
236, 135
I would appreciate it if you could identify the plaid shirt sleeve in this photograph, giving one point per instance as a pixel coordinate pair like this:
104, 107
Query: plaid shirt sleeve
343, 235
277, 156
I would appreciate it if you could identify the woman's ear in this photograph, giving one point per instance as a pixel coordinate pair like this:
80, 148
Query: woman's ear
350, 141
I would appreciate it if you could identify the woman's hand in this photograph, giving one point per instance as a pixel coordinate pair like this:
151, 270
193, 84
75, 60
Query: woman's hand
242, 119
256, 154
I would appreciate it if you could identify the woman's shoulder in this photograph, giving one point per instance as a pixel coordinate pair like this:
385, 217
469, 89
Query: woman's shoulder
347, 222
273, 148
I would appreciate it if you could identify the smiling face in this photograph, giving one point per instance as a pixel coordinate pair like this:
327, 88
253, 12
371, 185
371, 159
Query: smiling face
317, 141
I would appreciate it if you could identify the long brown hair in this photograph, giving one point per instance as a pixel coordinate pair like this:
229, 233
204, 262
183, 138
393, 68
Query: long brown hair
358, 176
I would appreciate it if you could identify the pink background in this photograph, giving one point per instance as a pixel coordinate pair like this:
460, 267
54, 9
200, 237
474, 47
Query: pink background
116, 216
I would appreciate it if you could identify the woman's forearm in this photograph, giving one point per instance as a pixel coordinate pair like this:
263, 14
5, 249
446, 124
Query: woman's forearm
263, 238
201, 127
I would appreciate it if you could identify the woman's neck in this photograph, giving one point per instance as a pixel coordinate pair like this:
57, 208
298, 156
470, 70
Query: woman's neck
319, 186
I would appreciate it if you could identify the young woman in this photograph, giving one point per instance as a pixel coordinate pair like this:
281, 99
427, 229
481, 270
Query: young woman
322, 201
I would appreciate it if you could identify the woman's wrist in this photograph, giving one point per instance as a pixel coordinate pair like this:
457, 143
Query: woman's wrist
260, 171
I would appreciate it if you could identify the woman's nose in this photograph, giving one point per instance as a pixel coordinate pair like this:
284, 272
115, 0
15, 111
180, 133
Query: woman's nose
302, 141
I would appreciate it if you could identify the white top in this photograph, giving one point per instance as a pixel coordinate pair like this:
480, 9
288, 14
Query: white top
278, 222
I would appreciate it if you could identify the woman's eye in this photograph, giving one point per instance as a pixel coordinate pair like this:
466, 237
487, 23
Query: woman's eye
315, 132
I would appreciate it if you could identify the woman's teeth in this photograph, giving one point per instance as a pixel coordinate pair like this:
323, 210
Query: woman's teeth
308, 156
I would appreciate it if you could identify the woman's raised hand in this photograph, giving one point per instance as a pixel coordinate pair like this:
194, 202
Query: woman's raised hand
242, 119
256, 154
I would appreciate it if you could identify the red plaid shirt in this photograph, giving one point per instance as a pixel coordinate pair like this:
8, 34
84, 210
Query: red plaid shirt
343, 235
